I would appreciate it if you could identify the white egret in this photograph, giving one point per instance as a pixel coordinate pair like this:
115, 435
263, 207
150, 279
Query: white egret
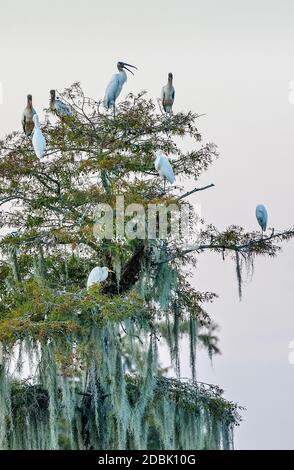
59, 107
168, 95
164, 168
115, 85
27, 117
97, 275
39, 142
262, 217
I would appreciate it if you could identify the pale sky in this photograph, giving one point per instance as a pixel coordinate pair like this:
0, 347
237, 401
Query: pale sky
234, 61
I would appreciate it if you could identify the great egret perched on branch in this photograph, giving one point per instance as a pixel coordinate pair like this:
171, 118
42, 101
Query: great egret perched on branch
27, 117
115, 85
164, 168
97, 275
39, 142
262, 217
168, 95
59, 107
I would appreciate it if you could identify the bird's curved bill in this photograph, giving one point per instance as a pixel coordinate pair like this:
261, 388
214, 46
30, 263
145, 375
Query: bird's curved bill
125, 66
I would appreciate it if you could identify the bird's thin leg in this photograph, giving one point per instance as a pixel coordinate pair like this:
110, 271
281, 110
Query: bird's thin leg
164, 181
114, 111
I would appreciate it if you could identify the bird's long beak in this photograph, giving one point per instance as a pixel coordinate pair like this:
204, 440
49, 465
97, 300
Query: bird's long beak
125, 66
110, 270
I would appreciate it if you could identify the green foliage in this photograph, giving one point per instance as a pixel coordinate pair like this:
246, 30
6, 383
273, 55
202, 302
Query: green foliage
96, 380
153, 413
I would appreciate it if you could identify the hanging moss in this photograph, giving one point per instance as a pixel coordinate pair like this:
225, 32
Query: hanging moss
165, 280
193, 344
174, 339
239, 274
81, 396
93, 379
111, 410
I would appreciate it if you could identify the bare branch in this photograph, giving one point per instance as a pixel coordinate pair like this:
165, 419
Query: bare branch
195, 190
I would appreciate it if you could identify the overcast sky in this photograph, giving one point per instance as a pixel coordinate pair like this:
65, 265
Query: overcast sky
234, 61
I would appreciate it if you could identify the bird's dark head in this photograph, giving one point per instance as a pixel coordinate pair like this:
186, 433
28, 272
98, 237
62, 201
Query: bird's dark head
120, 66
123, 66
30, 101
170, 77
52, 94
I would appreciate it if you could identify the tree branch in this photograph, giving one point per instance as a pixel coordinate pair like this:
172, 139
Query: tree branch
237, 248
195, 190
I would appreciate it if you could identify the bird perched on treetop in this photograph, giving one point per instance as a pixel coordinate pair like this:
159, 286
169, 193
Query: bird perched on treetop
27, 117
262, 217
168, 95
38, 140
164, 168
115, 85
98, 275
59, 107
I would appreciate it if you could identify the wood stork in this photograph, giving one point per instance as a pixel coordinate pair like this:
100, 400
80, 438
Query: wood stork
27, 117
98, 275
115, 85
39, 142
168, 95
59, 107
164, 168
262, 217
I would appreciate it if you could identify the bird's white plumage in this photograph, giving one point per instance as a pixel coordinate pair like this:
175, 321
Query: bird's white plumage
97, 275
164, 168
62, 109
262, 216
38, 140
114, 88
27, 120
168, 97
